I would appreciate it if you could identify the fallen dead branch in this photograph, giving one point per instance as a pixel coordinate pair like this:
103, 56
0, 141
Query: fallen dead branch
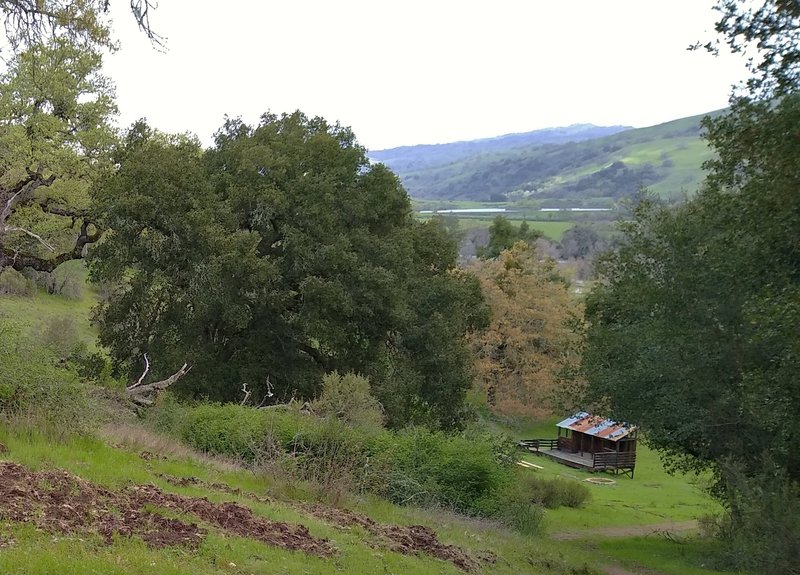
144, 394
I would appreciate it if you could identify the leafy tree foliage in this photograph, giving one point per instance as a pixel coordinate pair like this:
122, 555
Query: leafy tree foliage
581, 241
528, 341
282, 254
503, 234
56, 138
693, 328
768, 32
82, 22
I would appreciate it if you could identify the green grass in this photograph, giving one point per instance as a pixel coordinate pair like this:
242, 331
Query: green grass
674, 556
653, 496
35, 311
552, 229
96, 461
628, 502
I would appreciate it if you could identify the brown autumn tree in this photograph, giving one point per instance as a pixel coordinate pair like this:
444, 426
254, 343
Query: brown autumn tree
518, 357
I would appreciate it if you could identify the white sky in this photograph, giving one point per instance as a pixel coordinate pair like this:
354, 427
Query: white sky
427, 71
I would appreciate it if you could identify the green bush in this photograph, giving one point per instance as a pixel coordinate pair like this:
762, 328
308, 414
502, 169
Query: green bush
230, 430
348, 398
549, 493
68, 280
168, 415
525, 517
413, 466
36, 387
14, 283
761, 528
60, 335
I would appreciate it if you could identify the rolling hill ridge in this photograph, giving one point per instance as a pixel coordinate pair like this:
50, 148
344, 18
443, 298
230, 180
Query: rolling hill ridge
594, 167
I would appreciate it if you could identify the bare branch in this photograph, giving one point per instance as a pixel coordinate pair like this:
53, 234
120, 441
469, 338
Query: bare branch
144, 395
268, 395
42, 241
6, 213
247, 394
141, 379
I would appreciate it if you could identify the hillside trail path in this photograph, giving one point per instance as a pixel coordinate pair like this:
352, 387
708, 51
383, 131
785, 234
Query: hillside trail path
617, 570
628, 530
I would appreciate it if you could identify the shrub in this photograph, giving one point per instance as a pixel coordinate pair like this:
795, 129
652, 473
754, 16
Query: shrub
95, 368
427, 467
411, 466
230, 430
525, 517
35, 387
761, 527
549, 493
14, 283
60, 335
68, 281
347, 398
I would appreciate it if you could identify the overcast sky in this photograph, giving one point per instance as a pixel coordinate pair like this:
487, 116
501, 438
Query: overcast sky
427, 71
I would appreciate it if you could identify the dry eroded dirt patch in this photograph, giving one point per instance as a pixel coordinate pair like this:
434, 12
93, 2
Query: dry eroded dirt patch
408, 540
58, 502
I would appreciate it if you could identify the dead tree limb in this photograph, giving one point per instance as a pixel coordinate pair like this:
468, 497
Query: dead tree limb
141, 378
144, 395
247, 394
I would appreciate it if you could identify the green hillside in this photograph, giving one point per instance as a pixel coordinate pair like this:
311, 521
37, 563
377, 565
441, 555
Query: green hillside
116, 495
666, 158
423, 156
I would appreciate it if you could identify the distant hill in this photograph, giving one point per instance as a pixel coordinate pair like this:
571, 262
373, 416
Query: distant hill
592, 167
423, 156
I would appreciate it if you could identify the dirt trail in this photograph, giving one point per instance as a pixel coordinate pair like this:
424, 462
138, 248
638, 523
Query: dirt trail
617, 570
628, 530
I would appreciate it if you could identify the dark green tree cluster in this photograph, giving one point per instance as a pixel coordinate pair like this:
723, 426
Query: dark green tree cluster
276, 256
692, 328
503, 235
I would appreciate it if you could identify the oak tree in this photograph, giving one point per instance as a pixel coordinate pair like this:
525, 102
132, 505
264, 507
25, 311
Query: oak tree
56, 138
282, 254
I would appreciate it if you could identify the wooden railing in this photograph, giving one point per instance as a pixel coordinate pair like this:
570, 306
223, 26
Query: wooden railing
538, 444
614, 460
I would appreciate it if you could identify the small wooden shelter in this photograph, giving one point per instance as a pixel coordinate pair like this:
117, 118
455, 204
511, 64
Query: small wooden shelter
591, 442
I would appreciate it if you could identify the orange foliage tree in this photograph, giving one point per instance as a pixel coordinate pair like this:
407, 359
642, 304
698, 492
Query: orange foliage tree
517, 359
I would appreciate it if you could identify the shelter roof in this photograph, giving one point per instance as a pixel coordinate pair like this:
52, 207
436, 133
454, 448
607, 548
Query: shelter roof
598, 426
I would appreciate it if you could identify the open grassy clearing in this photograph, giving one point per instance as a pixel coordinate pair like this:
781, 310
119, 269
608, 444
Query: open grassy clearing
553, 230
652, 497
36, 311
